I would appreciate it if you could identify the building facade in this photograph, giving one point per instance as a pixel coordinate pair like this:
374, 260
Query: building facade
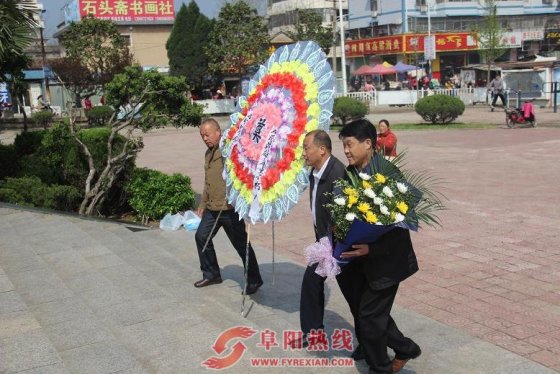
399, 27
145, 24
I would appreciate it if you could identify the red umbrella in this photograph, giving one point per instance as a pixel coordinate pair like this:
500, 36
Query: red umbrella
364, 70
382, 70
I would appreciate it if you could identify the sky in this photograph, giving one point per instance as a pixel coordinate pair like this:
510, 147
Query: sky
53, 12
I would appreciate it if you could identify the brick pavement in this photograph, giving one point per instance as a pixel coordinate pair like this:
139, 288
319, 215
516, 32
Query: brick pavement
493, 269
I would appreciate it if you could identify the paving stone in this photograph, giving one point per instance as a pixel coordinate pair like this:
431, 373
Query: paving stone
28, 350
102, 357
11, 302
17, 323
58, 311
48, 369
77, 333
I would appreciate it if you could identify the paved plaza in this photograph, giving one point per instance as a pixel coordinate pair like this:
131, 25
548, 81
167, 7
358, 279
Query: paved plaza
87, 296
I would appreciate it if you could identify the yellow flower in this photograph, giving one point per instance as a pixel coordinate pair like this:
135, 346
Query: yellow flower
371, 217
366, 184
380, 178
352, 199
364, 207
351, 191
401, 205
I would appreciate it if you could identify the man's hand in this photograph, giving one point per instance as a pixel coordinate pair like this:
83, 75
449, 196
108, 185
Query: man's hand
358, 250
200, 212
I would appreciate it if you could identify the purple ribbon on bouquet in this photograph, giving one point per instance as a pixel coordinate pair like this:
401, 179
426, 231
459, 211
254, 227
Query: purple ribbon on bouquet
321, 252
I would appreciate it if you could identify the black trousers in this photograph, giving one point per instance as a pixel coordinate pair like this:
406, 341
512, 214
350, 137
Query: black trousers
501, 96
312, 300
375, 328
235, 230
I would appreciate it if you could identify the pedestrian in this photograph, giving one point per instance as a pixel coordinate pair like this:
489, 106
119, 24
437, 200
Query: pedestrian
87, 104
386, 140
325, 169
497, 89
370, 281
215, 212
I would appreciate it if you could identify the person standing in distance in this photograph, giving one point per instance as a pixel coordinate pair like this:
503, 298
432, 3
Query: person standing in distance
215, 212
325, 169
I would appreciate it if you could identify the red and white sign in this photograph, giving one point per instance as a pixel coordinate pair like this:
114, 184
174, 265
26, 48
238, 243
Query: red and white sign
128, 10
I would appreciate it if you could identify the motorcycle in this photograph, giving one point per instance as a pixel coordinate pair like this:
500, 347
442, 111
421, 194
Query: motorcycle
523, 115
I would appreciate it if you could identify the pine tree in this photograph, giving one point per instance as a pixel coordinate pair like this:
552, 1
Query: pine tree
184, 46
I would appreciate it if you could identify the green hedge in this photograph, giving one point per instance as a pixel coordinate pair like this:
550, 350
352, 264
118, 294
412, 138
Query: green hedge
30, 191
154, 194
55, 159
439, 109
346, 109
43, 118
8, 161
99, 115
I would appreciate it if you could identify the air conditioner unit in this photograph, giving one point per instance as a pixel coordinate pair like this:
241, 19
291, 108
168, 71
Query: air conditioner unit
374, 14
547, 2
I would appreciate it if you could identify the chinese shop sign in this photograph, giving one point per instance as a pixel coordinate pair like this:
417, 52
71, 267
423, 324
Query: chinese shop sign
128, 10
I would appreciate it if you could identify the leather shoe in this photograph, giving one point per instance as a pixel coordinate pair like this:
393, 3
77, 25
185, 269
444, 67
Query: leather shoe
252, 288
207, 282
398, 363
358, 353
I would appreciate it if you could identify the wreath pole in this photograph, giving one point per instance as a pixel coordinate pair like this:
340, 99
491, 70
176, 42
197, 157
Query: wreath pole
246, 276
273, 254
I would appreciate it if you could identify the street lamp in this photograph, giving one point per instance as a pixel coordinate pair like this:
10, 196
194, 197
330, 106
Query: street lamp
429, 41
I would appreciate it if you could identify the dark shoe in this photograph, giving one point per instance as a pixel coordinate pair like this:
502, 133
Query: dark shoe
398, 363
358, 353
252, 288
207, 282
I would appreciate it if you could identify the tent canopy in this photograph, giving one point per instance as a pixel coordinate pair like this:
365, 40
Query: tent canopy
401, 67
382, 70
364, 70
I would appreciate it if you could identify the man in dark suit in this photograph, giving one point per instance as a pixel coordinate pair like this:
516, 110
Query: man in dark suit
371, 280
325, 169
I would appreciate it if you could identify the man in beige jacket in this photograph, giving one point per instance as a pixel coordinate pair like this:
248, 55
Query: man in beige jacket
216, 212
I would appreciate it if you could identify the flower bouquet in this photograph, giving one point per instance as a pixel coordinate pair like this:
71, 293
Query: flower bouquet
367, 205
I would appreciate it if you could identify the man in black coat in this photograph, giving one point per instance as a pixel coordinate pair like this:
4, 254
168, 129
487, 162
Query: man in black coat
371, 280
325, 169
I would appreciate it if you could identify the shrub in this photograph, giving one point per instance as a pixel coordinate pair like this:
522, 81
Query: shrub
30, 191
440, 109
153, 193
347, 108
99, 115
57, 160
43, 117
28, 142
8, 161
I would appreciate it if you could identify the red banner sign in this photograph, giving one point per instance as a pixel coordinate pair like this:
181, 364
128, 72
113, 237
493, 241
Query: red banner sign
128, 10
411, 43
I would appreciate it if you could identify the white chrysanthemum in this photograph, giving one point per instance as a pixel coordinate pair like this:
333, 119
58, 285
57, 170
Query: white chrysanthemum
399, 218
384, 210
377, 200
350, 217
340, 201
369, 193
364, 176
387, 191
402, 187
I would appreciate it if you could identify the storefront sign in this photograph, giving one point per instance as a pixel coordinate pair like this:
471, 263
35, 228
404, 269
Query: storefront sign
128, 10
4, 95
385, 45
511, 39
532, 35
552, 37
409, 43
429, 47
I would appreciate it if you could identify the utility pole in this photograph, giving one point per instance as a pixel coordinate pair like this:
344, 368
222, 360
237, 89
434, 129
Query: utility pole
45, 76
343, 51
334, 27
